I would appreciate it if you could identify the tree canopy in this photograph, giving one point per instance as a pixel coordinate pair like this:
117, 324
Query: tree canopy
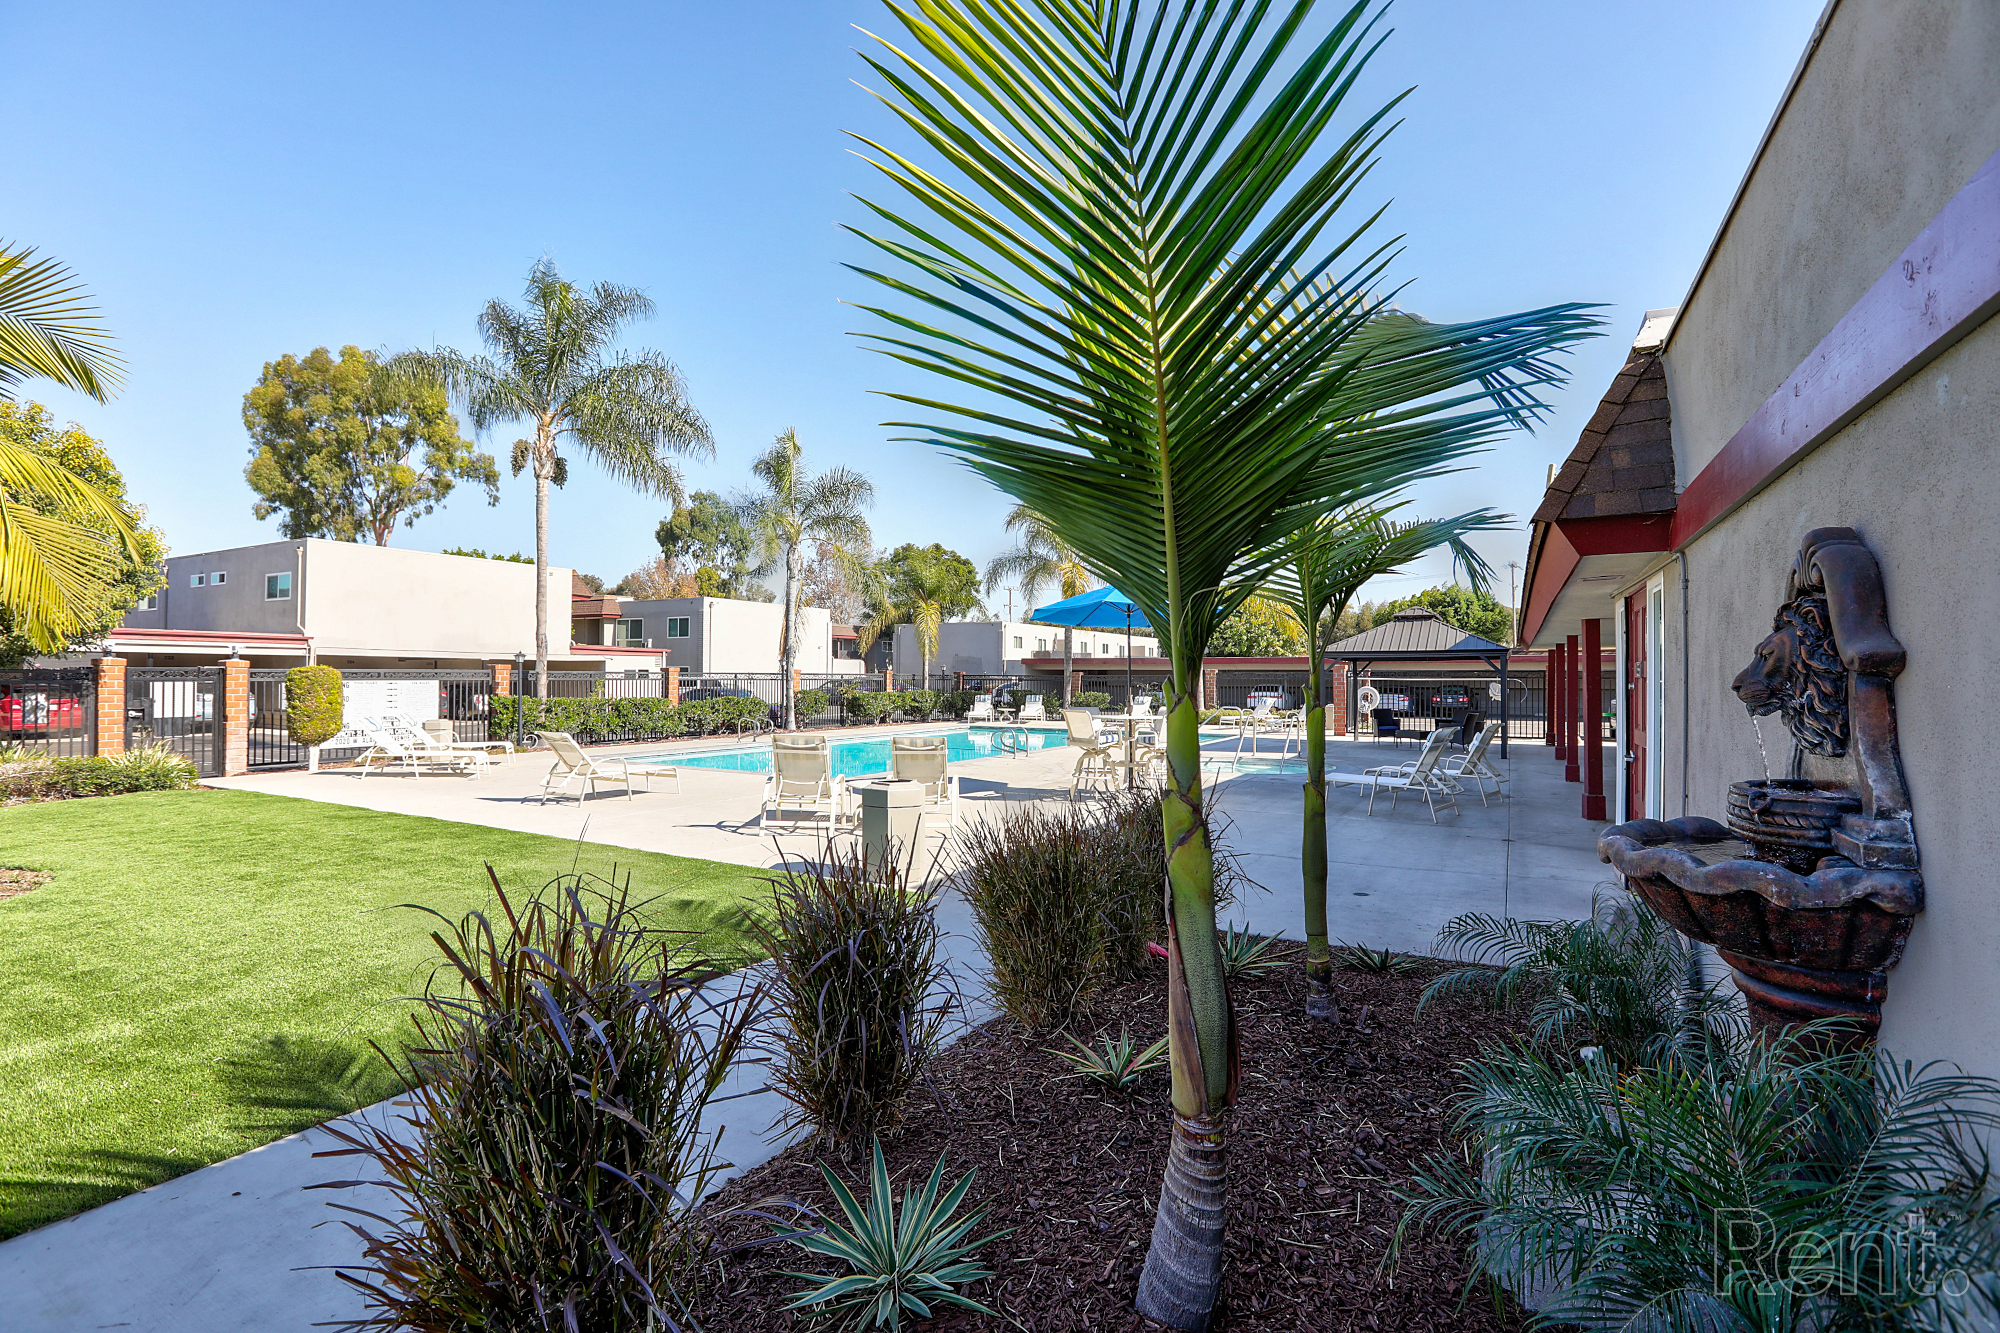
1259, 628
706, 542
132, 576
951, 580
345, 448
1478, 613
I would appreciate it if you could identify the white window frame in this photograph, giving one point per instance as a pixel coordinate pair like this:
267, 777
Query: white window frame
197, 580
152, 602
1017, 641
284, 596
218, 578
679, 627
1656, 695
633, 637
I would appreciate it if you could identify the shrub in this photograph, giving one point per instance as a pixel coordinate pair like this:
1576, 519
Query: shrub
956, 703
1036, 880
542, 1171
857, 991
872, 705
1090, 699
1133, 847
635, 719
314, 711
811, 703
897, 1266
917, 704
148, 768
1768, 1186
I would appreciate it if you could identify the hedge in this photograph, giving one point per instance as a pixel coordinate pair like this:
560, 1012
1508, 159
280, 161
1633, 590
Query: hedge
96, 775
621, 719
1090, 699
314, 710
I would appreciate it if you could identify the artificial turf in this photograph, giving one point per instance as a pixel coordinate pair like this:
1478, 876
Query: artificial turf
206, 969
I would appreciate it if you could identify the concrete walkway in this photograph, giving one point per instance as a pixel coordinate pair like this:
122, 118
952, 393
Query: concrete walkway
241, 1246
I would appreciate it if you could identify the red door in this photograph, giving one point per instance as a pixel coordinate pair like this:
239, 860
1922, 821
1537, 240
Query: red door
1635, 705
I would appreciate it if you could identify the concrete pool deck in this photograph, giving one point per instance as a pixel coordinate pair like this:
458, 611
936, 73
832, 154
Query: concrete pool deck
241, 1245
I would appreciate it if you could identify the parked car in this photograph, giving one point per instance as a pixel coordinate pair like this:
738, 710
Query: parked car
34, 713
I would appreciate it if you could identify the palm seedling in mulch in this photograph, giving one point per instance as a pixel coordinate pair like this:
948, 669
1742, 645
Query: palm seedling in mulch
1382, 962
563, 1056
898, 1268
1114, 1065
859, 993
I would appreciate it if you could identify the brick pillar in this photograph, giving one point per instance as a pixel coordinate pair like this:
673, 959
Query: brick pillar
1336, 704
1211, 687
235, 717
1075, 687
110, 739
673, 684
1593, 719
503, 677
798, 681
888, 680
1572, 710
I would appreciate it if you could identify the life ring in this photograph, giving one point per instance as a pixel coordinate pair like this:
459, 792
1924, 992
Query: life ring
1369, 698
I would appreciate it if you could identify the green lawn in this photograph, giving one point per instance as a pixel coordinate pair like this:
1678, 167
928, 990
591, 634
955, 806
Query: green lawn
206, 969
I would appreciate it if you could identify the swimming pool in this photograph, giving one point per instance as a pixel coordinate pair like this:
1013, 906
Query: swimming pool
870, 757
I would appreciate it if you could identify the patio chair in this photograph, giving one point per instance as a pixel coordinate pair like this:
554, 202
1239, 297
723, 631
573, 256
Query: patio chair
1031, 710
574, 766
390, 753
1421, 774
1473, 763
981, 709
1387, 725
1097, 759
437, 733
923, 760
802, 780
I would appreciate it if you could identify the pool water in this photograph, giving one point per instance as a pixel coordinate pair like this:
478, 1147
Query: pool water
870, 758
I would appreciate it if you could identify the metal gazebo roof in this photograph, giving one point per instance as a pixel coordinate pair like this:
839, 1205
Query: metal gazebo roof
1415, 633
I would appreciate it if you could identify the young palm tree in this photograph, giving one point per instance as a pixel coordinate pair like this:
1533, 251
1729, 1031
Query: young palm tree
919, 592
795, 508
552, 366
1116, 249
1326, 563
1042, 560
53, 569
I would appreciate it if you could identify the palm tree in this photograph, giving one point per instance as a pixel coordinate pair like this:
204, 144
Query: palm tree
797, 507
1128, 248
552, 365
920, 592
1043, 559
1326, 563
53, 563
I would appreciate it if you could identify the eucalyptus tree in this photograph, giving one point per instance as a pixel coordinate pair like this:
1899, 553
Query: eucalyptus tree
63, 540
1128, 253
1042, 560
797, 508
1326, 563
551, 364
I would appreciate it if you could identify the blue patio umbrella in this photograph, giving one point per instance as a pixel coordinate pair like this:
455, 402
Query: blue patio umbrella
1100, 608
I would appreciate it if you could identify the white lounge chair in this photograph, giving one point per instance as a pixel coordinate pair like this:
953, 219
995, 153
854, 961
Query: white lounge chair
981, 709
1097, 761
390, 753
1422, 774
1473, 763
1031, 710
802, 780
439, 732
574, 766
924, 760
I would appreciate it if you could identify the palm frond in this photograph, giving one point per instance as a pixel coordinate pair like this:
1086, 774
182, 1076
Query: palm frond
49, 328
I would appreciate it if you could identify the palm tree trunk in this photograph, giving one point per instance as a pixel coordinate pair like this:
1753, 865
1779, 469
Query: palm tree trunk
1183, 1270
542, 472
1312, 847
789, 653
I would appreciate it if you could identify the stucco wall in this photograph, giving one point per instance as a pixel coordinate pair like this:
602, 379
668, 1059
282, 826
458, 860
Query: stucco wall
1913, 476
1895, 111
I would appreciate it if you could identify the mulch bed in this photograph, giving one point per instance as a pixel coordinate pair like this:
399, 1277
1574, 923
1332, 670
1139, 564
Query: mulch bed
1330, 1120
14, 880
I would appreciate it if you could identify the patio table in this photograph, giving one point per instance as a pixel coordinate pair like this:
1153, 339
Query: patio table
1131, 722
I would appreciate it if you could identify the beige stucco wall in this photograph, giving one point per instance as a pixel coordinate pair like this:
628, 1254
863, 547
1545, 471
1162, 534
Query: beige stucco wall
1914, 477
1897, 108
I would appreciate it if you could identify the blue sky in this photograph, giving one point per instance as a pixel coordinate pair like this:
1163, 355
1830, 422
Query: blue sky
239, 181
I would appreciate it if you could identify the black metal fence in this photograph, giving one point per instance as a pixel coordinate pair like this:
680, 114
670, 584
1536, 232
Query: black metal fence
180, 708
52, 713
271, 743
1428, 700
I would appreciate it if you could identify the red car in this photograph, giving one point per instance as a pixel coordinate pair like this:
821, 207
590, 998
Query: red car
33, 713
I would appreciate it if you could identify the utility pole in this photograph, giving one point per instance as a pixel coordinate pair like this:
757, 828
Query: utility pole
1513, 611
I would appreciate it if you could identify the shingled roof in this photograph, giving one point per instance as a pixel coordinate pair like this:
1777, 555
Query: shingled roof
1624, 461
1414, 632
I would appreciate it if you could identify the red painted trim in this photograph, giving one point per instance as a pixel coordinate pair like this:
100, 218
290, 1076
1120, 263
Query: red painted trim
1592, 720
1942, 287
1554, 563
1624, 535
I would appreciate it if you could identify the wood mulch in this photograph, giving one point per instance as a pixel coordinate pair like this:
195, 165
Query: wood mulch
1330, 1120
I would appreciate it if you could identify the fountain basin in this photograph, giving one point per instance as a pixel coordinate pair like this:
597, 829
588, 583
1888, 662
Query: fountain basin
1802, 946
1789, 820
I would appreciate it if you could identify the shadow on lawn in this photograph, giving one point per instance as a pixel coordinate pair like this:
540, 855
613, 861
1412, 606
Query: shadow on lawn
284, 1084
80, 1181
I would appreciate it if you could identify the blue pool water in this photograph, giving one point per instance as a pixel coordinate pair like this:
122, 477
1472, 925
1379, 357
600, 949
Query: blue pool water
868, 758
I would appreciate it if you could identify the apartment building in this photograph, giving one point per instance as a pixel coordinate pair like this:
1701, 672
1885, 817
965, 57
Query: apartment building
710, 635
1006, 647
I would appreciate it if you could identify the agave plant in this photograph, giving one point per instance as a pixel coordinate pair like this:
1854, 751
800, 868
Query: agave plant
1127, 245
1247, 955
1624, 979
1117, 1065
1769, 1188
1361, 958
898, 1266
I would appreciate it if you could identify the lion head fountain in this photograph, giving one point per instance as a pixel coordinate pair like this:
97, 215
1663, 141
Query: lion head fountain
1815, 910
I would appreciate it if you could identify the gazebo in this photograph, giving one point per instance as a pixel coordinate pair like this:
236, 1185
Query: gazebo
1415, 634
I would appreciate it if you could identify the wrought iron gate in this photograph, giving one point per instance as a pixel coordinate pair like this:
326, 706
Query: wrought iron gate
52, 712
271, 743
180, 708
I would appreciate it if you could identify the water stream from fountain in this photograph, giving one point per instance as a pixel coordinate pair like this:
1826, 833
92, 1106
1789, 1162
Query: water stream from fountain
1761, 752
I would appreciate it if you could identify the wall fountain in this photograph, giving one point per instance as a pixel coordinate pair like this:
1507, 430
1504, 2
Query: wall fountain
1810, 892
